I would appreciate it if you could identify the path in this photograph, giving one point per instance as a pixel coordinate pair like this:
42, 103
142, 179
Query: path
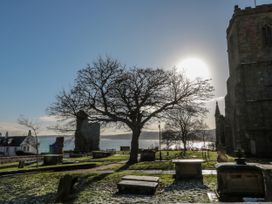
107, 169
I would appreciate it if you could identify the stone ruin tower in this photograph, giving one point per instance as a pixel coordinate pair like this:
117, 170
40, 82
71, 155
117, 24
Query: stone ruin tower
87, 135
247, 123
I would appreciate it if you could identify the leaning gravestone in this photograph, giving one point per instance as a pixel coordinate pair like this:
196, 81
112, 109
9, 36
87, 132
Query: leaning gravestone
65, 187
21, 164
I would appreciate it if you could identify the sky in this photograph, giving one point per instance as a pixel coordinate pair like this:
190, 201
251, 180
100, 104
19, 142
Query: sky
44, 43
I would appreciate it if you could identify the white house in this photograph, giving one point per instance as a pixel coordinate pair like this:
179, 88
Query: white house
17, 145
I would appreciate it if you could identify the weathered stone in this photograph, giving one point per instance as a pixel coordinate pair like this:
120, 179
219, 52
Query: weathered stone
137, 187
65, 188
188, 168
236, 181
267, 176
101, 154
148, 155
124, 148
21, 164
87, 134
52, 159
248, 103
57, 147
141, 178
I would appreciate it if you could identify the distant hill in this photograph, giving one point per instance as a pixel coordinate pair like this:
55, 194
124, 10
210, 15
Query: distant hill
149, 135
146, 135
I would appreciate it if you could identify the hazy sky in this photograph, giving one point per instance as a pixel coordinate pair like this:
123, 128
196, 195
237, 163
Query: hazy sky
44, 43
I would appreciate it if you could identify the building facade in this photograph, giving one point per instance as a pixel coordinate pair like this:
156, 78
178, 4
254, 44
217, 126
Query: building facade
17, 145
247, 123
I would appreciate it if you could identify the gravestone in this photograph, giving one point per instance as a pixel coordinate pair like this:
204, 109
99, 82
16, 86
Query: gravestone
87, 135
124, 148
148, 155
21, 164
65, 188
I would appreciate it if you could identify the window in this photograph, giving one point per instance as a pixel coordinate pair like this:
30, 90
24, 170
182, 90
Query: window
267, 35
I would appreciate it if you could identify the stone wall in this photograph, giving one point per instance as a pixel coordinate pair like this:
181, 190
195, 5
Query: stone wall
248, 103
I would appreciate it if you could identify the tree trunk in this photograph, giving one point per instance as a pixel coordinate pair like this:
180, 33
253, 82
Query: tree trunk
184, 141
134, 146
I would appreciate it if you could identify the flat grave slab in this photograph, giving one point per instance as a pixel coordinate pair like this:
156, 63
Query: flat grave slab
137, 187
141, 178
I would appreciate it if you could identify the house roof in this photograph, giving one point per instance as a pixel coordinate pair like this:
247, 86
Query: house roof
12, 141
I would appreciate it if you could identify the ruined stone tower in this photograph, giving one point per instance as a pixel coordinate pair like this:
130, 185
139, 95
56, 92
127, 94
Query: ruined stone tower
248, 103
87, 135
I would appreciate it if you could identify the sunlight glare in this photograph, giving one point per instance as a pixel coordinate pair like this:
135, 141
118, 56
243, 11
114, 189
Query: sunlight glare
194, 68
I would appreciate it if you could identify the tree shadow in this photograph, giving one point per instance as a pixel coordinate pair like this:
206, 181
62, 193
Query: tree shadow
187, 184
83, 183
47, 198
123, 167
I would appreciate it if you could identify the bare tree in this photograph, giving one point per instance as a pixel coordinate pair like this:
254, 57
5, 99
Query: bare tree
34, 127
202, 132
186, 121
109, 92
168, 138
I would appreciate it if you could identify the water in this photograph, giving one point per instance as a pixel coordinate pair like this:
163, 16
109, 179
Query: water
45, 141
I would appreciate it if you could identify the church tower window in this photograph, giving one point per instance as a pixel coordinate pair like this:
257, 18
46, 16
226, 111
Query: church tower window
267, 35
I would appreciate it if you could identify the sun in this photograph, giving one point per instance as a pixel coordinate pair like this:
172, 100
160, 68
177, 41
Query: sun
194, 68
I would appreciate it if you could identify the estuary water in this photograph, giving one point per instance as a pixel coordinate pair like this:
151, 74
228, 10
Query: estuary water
105, 143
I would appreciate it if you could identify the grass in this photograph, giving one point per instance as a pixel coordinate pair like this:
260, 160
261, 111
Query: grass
31, 168
113, 158
174, 154
156, 165
91, 188
167, 156
8, 164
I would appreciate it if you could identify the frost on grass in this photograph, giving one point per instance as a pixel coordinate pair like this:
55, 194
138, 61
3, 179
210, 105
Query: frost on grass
99, 188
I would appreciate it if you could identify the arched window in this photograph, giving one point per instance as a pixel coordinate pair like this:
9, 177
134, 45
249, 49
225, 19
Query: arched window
267, 35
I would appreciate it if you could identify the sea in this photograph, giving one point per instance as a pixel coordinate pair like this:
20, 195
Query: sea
106, 143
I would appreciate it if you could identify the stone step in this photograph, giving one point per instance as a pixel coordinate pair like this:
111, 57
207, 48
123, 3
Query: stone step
141, 178
137, 187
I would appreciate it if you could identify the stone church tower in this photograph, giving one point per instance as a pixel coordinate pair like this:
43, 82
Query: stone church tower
248, 104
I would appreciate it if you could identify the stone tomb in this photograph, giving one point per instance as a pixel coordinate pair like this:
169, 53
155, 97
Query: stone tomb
124, 148
138, 184
188, 168
52, 159
238, 181
148, 155
101, 154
